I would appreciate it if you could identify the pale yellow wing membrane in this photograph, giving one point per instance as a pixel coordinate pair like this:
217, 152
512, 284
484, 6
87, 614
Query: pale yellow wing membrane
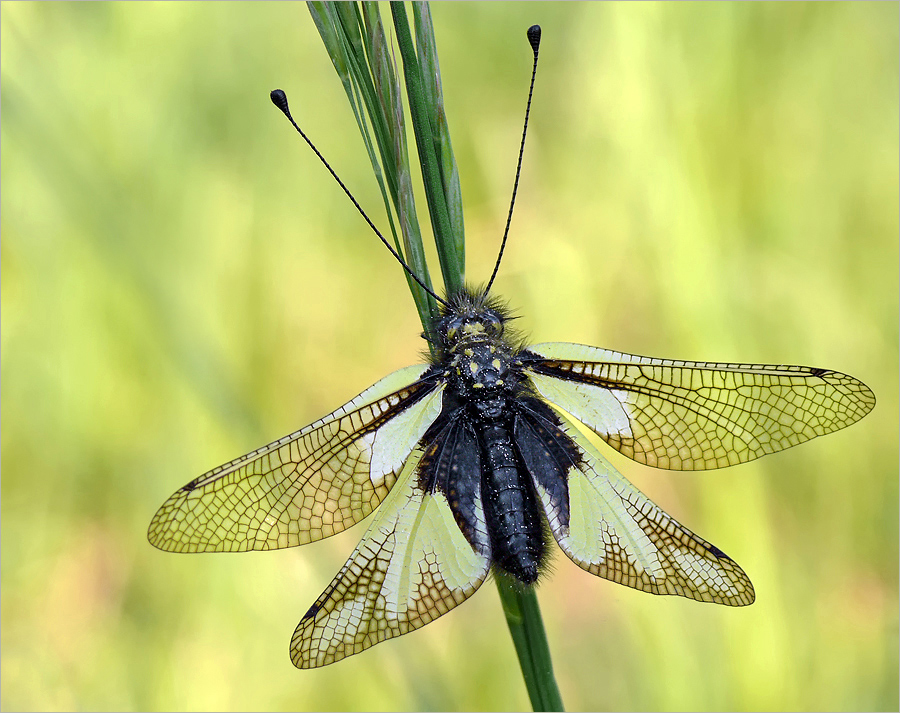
685, 415
617, 533
412, 565
308, 485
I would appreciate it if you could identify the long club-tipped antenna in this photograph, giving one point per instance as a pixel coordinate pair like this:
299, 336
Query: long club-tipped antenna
279, 99
534, 39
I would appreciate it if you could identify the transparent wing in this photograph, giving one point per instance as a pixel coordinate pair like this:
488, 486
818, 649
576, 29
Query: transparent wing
412, 565
614, 531
308, 485
684, 415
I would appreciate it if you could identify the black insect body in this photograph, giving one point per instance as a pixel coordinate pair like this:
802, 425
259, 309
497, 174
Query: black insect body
473, 462
470, 453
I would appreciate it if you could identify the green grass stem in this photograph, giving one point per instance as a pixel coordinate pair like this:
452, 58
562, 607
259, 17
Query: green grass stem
355, 40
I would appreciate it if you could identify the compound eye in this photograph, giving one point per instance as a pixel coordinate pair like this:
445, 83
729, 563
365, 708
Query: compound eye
493, 324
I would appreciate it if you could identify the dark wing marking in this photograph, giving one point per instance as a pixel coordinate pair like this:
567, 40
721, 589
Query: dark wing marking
612, 530
685, 415
547, 454
451, 463
412, 565
308, 485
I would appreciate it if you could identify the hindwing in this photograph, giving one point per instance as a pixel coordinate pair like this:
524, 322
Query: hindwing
609, 528
685, 415
452, 464
308, 485
412, 565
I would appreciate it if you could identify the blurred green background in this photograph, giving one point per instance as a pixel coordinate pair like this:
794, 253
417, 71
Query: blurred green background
182, 282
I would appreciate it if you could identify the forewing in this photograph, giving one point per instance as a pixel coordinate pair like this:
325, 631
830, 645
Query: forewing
308, 485
684, 415
412, 565
614, 531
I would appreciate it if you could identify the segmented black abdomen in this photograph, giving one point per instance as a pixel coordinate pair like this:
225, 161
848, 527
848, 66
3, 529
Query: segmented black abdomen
510, 507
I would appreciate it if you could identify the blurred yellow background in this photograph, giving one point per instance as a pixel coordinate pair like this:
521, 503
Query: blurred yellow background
182, 282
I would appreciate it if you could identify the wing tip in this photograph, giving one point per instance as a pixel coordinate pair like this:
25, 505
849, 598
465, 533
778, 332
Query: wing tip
718, 553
